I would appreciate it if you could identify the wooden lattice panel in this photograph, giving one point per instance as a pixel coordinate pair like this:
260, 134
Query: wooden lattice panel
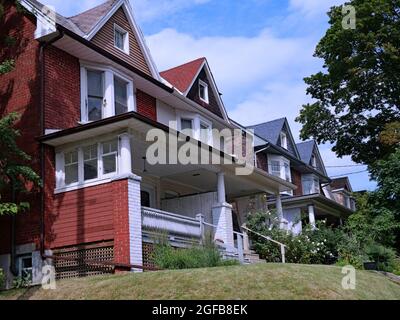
80, 261
148, 249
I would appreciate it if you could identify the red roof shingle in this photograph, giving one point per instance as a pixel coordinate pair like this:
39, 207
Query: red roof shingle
181, 77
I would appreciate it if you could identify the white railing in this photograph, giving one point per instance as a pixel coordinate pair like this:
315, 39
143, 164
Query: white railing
269, 239
154, 219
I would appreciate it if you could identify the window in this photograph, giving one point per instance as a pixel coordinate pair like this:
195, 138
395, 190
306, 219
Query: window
121, 39
120, 96
313, 161
284, 140
25, 267
104, 93
203, 91
109, 156
90, 170
71, 167
145, 198
276, 168
222, 143
310, 184
95, 96
280, 167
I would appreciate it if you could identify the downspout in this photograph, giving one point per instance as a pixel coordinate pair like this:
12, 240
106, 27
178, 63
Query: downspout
43, 45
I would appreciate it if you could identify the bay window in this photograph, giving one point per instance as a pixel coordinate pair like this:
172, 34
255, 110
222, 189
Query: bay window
310, 184
279, 166
104, 93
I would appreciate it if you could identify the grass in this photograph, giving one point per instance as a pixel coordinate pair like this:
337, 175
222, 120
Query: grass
259, 281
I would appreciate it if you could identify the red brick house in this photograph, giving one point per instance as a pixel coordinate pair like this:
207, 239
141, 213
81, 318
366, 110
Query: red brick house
90, 98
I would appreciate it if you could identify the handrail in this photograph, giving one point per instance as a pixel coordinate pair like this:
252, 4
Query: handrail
270, 239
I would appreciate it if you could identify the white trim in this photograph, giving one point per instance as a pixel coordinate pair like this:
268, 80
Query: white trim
213, 86
196, 124
283, 140
137, 33
205, 86
152, 193
109, 73
282, 170
125, 33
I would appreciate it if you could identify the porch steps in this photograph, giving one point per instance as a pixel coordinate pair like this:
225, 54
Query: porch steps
252, 257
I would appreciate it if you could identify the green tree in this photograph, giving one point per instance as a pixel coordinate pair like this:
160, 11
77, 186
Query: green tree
16, 176
358, 93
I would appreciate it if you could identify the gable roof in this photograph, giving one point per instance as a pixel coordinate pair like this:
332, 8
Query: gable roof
305, 149
341, 183
88, 19
88, 23
181, 77
270, 130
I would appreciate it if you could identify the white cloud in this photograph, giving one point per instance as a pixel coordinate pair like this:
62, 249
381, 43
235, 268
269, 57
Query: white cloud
147, 10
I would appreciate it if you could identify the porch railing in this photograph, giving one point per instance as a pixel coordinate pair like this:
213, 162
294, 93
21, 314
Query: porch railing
283, 247
154, 219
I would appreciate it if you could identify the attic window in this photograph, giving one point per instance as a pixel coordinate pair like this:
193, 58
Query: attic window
284, 140
121, 39
203, 91
313, 161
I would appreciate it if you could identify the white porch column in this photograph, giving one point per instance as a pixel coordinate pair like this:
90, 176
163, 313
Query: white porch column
222, 215
221, 187
126, 155
135, 222
311, 215
279, 210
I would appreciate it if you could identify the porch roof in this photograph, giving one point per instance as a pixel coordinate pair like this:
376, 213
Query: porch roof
257, 181
321, 203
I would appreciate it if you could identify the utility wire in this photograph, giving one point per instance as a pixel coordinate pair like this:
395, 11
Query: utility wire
348, 174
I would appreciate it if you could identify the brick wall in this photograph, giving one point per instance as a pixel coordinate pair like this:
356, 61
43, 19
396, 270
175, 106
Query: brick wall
19, 92
296, 179
62, 89
146, 105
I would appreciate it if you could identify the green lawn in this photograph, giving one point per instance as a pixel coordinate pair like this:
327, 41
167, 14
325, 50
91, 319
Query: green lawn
260, 281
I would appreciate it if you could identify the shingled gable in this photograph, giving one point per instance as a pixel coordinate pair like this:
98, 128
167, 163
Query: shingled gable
308, 148
97, 25
271, 131
185, 78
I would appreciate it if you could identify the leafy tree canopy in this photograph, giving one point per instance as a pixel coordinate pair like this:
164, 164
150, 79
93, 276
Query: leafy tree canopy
357, 96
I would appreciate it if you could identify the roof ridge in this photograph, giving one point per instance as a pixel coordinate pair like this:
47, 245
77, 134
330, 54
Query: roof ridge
259, 124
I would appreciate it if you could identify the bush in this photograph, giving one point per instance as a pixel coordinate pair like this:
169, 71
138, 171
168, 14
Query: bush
2, 278
167, 257
382, 256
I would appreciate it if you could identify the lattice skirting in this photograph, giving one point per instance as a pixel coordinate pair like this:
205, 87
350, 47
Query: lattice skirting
148, 250
80, 265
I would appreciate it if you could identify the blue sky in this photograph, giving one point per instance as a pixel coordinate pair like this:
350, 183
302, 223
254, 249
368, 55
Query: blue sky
259, 52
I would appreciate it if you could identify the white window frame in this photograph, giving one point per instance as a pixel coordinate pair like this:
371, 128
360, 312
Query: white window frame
125, 49
197, 120
282, 161
314, 180
284, 140
101, 152
101, 178
20, 258
205, 86
313, 161
108, 109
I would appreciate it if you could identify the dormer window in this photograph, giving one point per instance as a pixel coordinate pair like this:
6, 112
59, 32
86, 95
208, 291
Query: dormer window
284, 140
121, 39
313, 161
203, 91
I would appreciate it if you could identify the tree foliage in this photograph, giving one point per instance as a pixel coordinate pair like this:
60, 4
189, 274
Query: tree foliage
358, 93
16, 176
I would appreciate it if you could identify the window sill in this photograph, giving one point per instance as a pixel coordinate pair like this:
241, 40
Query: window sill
82, 185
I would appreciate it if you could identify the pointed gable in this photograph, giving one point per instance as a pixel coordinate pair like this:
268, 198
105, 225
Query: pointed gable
186, 78
307, 150
105, 39
181, 77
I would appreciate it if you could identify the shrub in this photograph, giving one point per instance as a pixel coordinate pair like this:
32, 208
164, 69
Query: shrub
2, 278
167, 257
384, 257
